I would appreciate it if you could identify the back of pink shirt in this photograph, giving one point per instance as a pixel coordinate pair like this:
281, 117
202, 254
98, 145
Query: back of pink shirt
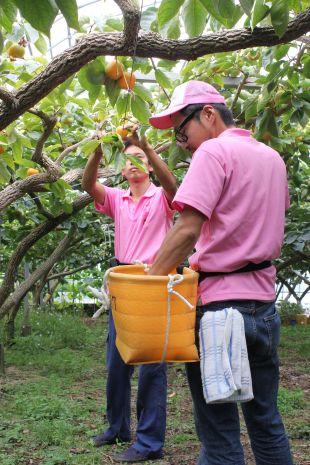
140, 228
240, 185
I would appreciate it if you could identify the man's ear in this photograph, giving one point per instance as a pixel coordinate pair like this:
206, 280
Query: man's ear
151, 169
208, 112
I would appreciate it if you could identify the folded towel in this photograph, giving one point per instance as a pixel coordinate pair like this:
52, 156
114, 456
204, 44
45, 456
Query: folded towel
224, 363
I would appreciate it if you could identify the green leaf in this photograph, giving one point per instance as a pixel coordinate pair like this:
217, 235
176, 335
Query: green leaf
41, 45
134, 161
167, 10
148, 17
8, 9
64, 184
250, 108
123, 103
65, 85
39, 13
194, 16
69, 10
95, 71
306, 68
140, 109
176, 154
279, 16
167, 64
226, 8
281, 51
212, 7
7, 14
7, 158
88, 147
267, 124
116, 24
162, 79
57, 188
119, 161
247, 6
174, 30
67, 206
259, 12
112, 90
17, 149
143, 92
4, 173
1, 42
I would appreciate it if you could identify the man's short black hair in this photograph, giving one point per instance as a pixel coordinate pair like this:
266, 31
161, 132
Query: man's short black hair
127, 144
225, 113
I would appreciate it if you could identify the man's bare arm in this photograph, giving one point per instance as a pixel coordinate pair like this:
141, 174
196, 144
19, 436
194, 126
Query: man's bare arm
90, 175
179, 242
164, 175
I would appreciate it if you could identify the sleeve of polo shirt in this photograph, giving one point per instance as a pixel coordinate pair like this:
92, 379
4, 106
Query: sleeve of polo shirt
108, 207
202, 185
167, 204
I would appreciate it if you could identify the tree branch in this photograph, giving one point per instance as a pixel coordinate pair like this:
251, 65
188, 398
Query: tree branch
288, 286
43, 160
304, 293
21, 187
303, 278
239, 89
131, 16
28, 241
67, 273
40, 207
70, 149
22, 290
8, 97
149, 45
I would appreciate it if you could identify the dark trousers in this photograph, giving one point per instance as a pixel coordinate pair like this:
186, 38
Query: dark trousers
218, 424
151, 399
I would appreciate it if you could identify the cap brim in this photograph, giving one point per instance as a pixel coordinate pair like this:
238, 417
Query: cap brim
163, 120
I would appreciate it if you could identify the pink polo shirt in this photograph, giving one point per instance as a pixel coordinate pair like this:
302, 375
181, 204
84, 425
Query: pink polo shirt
240, 185
140, 227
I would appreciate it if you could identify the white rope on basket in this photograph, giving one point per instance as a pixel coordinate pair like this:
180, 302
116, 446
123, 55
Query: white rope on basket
173, 280
104, 295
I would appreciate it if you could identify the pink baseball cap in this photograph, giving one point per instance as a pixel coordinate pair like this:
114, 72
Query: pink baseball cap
188, 93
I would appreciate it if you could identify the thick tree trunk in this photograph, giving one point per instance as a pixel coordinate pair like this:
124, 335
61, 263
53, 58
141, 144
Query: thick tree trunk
38, 288
46, 266
53, 284
9, 327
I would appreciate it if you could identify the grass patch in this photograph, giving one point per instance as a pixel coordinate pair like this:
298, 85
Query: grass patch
52, 401
290, 401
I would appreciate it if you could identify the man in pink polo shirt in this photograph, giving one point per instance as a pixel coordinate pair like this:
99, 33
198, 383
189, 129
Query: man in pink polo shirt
142, 216
232, 203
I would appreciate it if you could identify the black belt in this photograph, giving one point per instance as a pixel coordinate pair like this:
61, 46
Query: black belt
245, 269
115, 262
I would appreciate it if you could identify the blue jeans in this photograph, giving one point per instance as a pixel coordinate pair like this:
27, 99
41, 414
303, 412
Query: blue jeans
218, 425
151, 399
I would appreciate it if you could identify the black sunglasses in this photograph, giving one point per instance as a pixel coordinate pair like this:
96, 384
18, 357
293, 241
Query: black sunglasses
179, 135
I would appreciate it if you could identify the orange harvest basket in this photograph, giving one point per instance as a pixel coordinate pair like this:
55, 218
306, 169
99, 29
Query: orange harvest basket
148, 328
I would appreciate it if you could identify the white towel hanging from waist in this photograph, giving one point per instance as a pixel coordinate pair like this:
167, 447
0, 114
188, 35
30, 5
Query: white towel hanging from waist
224, 363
